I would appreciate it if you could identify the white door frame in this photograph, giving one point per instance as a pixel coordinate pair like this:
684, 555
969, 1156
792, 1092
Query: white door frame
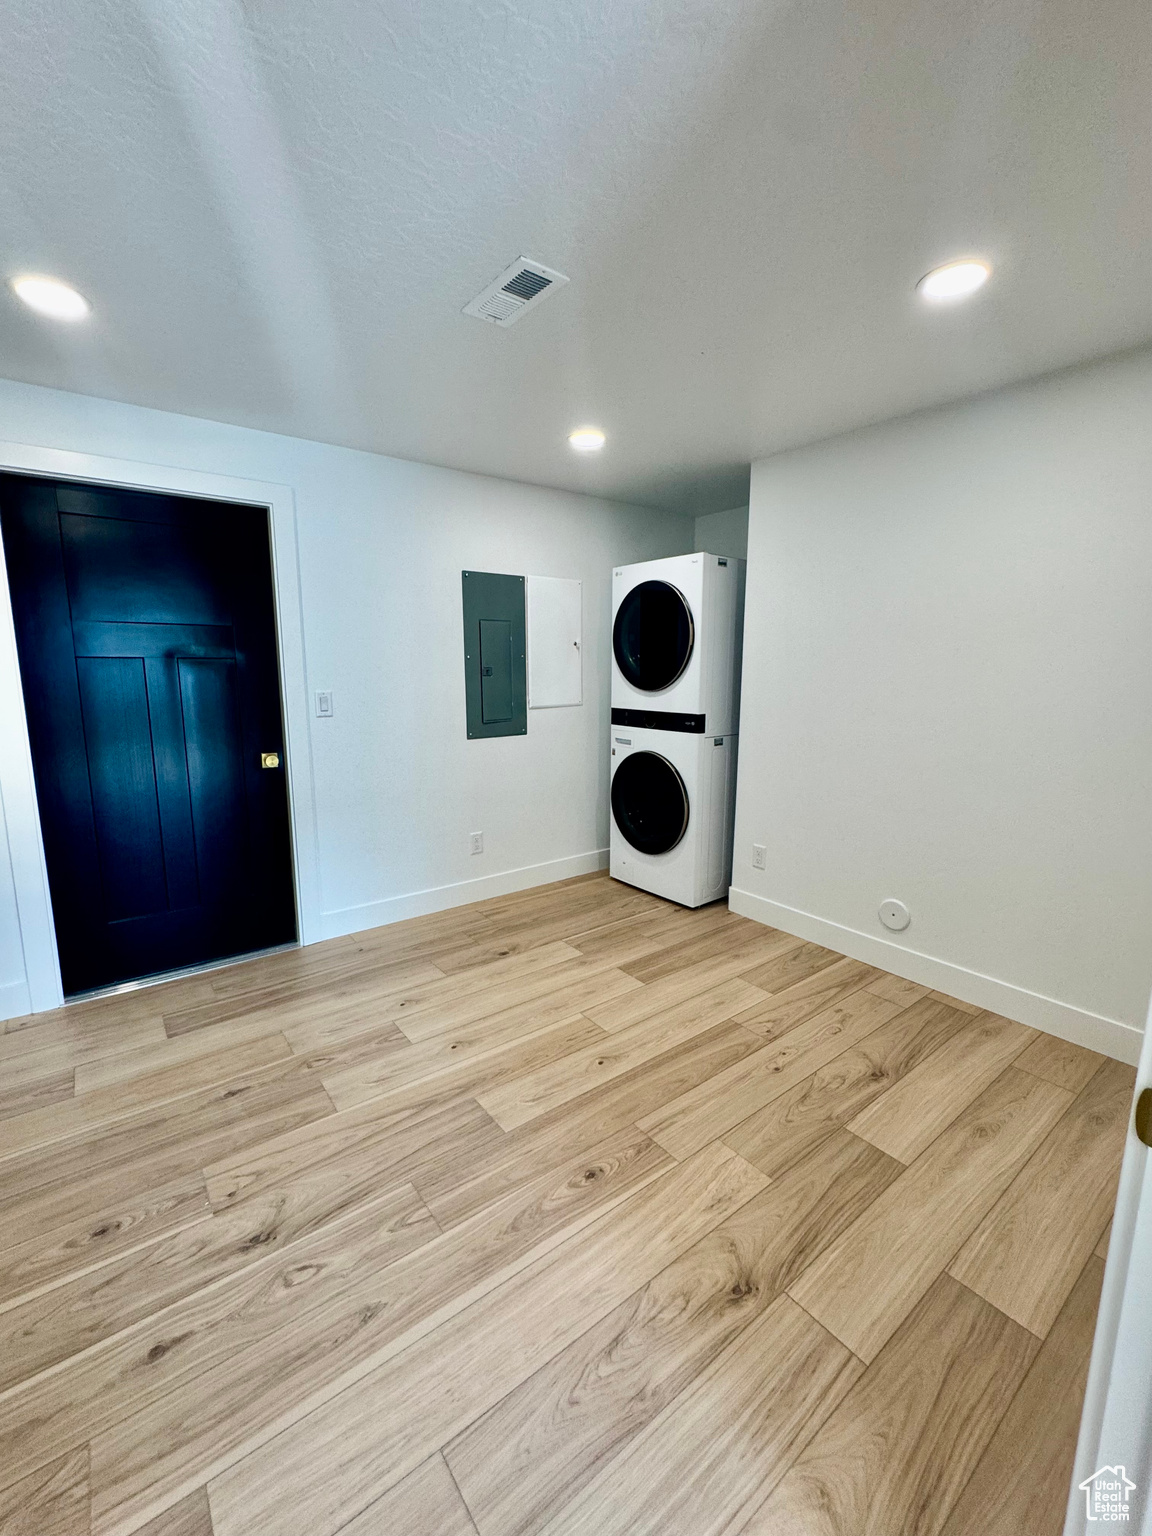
1116, 1424
17, 784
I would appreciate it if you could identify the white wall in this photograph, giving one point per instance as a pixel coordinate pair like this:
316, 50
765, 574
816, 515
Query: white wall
13, 988
382, 543
724, 533
948, 698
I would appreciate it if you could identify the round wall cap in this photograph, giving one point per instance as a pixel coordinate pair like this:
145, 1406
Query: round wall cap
894, 915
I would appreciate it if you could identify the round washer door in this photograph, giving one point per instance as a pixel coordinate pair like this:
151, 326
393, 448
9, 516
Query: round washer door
650, 802
653, 635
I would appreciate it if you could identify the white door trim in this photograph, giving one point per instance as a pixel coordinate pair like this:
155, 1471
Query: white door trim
17, 785
1116, 1423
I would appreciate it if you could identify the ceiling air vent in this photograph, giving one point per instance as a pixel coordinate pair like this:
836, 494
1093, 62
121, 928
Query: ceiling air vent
519, 287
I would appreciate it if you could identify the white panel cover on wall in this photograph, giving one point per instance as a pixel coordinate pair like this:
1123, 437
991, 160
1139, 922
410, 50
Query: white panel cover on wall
555, 641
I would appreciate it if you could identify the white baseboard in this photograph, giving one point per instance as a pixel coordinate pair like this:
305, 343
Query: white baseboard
1108, 1036
15, 1000
394, 909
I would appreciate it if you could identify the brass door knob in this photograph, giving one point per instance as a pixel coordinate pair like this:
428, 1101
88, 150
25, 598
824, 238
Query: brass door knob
1144, 1117
269, 759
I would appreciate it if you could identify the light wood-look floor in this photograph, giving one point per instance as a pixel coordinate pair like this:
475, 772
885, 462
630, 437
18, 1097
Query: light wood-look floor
568, 1212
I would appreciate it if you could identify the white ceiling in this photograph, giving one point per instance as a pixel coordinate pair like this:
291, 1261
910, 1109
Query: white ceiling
279, 207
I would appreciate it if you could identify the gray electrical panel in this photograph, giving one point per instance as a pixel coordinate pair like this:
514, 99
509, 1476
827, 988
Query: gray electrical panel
495, 677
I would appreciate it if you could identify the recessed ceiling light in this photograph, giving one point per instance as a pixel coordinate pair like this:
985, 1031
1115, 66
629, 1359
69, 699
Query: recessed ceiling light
51, 297
954, 280
586, 439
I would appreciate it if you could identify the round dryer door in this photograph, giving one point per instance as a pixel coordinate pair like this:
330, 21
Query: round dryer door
650, 802
653, 635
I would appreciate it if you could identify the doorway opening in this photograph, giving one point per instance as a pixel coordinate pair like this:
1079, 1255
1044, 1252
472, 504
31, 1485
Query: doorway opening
146, 635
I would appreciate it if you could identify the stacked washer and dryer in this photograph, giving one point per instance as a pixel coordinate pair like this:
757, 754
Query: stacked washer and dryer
676, 633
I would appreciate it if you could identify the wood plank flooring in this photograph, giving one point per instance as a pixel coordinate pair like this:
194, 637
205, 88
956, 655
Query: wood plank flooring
570, 1211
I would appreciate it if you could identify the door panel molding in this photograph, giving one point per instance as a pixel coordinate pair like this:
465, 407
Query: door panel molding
17, 785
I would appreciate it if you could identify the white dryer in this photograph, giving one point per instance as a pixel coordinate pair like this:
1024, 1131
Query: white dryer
676, 632
673, 794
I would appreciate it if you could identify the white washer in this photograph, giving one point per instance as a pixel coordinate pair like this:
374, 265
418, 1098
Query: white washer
673, 794
676, 632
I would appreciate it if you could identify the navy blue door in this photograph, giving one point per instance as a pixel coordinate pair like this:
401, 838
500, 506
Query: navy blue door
146, 634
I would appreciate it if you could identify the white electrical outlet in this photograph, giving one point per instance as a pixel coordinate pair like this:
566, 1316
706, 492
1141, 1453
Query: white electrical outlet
759, 856
476, 842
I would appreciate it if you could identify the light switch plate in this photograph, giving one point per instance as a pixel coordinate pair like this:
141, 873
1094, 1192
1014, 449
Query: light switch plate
324, 704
